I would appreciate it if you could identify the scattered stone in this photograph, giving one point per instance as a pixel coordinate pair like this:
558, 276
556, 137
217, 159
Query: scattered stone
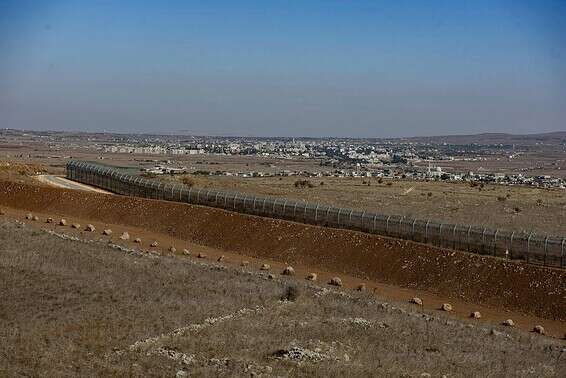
186, 252
201, 255
271, 276
107, 232
137, 240
361, 287
446, 307
63, 222
90, 228
298, 354
49, 220
245, 263
426, 375
76, 226
335, 281
172, 249
125, 236
29, 216
154, 244
539, 329
508, 323
289, 271
265, 267
495, 332
417, 301
35, 218
475, 315
221, 258
312, 277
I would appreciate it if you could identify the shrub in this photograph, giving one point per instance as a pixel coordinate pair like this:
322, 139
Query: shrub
188, 181
291, 293
303, 184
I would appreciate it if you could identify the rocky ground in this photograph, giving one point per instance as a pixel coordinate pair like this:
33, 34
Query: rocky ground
80, 306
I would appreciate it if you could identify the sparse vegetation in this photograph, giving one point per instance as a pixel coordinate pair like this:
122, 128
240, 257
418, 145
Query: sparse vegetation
303, 184
120, 312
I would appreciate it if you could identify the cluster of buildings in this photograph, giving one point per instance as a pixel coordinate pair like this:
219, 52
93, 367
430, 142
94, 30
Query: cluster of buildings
336, 157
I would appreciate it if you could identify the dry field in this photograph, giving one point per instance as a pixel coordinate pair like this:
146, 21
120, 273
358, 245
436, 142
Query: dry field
87, 308
511, 208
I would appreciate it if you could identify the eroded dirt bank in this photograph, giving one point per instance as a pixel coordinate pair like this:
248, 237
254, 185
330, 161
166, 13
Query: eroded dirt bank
506, 285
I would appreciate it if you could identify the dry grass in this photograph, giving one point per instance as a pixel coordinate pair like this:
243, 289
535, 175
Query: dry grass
71, 308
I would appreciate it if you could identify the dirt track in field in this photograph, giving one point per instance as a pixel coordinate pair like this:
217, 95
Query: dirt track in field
491, 282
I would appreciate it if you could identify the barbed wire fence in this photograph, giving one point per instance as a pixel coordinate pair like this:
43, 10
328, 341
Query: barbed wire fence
530, 247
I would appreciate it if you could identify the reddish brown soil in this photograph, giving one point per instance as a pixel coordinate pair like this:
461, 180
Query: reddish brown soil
492, 282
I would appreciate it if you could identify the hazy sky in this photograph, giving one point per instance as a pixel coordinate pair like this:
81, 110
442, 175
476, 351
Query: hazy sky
289, 68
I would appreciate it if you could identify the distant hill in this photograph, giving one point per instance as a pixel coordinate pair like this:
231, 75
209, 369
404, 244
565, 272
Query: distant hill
552, 138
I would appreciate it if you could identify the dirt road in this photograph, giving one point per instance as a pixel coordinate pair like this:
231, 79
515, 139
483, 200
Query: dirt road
62, 182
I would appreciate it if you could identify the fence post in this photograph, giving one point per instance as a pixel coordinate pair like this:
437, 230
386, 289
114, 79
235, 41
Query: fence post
468, 238
413, 231
483, 239
362, 220
529, 246
273, 207
198, 196
339, 211
216, 199
159, 191
284, 206
316, 213
426, 230
351, 211
545, 249
244, 205
387, 225
440, 234
454, 237
495, 242
399, 226
562, 253
510, 246
295, 210
235, 196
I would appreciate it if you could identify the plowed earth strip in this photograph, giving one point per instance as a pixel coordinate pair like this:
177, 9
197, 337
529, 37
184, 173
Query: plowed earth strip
398, 268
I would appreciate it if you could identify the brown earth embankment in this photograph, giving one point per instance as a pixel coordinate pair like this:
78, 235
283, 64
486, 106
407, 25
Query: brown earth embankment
484, 280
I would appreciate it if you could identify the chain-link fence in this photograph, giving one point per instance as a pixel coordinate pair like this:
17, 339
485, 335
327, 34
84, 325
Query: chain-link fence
530, 247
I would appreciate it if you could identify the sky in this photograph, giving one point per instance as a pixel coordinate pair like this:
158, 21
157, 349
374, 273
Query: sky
284, 68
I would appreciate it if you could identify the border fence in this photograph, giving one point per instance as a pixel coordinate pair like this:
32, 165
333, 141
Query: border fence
530, 247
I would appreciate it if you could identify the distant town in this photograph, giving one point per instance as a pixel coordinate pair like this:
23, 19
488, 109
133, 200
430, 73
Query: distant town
335, 157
